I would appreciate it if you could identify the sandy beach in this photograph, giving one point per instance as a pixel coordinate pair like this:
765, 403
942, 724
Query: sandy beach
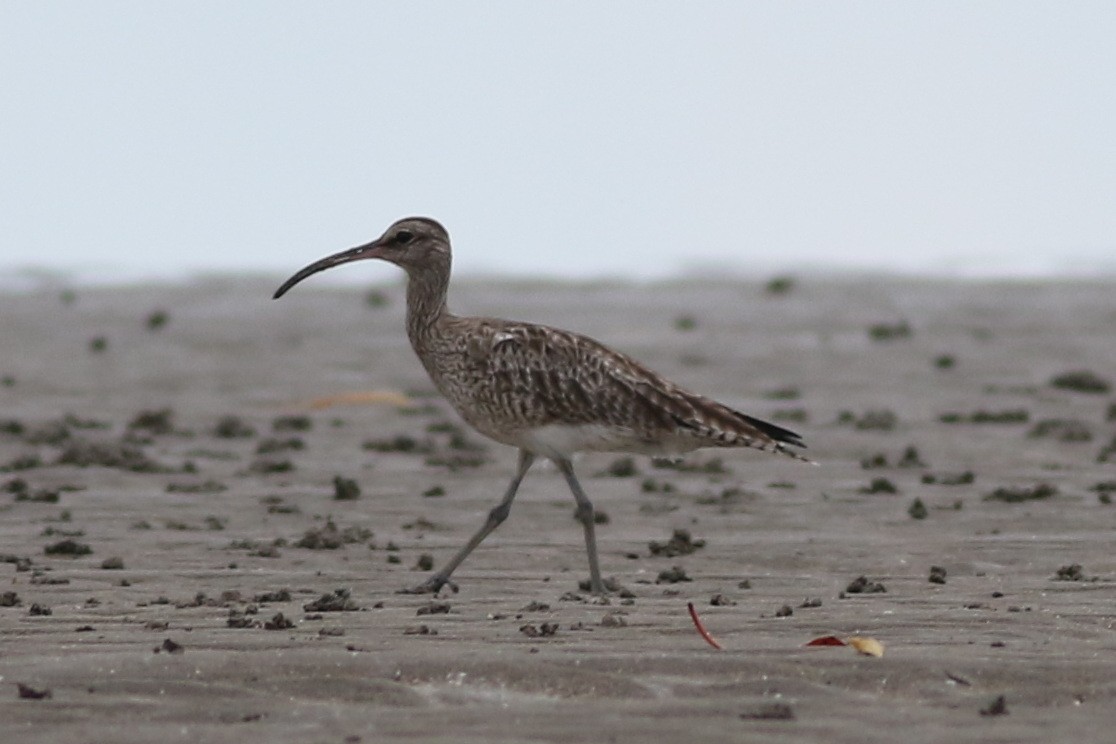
208, 501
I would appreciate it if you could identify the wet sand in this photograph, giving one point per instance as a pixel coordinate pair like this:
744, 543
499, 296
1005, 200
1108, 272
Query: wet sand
228, 595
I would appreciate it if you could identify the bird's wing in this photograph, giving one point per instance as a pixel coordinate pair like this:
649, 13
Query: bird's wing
576, 380
557, 371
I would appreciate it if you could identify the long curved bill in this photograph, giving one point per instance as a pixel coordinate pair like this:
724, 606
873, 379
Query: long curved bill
369, 250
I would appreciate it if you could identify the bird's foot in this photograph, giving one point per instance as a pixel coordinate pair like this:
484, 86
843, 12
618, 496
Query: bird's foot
433, 585
601, 588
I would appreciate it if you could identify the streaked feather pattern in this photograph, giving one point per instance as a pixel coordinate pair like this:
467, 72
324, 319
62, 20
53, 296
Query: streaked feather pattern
508, 378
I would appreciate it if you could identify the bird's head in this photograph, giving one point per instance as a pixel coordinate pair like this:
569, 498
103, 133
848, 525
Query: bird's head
415, 244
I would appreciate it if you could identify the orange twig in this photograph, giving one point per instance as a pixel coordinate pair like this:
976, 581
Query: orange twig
701, 628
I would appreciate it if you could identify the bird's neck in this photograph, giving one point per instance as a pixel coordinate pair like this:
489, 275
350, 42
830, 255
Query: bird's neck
426, 304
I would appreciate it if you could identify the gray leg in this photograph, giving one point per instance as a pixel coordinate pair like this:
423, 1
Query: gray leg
584, 515
495, 517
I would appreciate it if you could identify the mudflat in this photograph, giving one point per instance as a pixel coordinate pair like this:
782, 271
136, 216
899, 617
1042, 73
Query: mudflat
209, 501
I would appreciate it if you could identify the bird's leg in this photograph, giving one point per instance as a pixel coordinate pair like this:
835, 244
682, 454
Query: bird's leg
498, 514
584, 515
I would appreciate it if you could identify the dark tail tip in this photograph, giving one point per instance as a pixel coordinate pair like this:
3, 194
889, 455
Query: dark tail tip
778, 433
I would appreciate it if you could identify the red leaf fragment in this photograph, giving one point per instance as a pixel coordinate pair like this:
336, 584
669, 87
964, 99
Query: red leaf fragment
829, 640
701, 628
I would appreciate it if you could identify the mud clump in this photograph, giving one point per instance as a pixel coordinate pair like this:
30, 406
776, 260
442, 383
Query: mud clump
280, 595
22, 462
232, 427
621, 467
401, 443
171, 647
874, 420
769, 712
1022, 493
917, 509
266, 466
1072, 572
337, 601
454, 463
26, 692
982, 416
84, 453
889, 331
14, 427
54, 433
345, 489
542, 630
780, 285
21, 562
911, 458
157, 320
68, 547
1108, 452
861, 585
330, 537
1062, 430
240, 620
949, 479
292, 423
271, 445
879, 485
673, 575
155, 423
278, 622
1081, 381
22, 492
997, 707
434, 608
207, 486
680, 543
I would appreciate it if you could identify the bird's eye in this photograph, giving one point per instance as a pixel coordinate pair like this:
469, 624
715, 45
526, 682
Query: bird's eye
404, 236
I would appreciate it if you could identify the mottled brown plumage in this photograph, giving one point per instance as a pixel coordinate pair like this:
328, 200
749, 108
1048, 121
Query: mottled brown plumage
543, 390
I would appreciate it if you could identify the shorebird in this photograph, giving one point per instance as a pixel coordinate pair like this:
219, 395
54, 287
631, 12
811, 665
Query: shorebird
548, 392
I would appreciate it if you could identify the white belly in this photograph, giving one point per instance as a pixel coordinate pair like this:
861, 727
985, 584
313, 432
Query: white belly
563, 440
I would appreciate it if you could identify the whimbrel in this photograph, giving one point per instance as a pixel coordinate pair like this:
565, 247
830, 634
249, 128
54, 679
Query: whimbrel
548, 392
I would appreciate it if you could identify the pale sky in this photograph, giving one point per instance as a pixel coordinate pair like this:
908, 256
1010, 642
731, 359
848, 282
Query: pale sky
583, 139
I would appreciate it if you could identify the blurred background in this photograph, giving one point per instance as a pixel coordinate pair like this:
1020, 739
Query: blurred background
633, 140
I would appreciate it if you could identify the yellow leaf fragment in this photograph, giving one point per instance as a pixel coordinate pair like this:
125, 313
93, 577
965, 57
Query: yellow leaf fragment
866, 646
